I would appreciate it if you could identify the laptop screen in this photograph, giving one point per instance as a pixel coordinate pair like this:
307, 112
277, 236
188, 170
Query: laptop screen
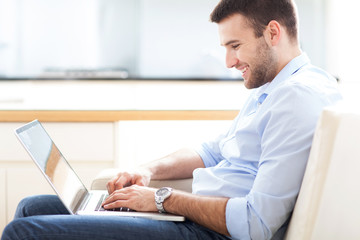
52, 163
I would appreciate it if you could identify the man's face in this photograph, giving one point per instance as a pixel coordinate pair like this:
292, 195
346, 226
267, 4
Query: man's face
250, 55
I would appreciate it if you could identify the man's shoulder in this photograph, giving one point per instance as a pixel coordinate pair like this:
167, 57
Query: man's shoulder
312, 79
310, 87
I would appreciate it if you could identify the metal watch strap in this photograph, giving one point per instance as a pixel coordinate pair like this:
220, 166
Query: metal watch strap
159, 199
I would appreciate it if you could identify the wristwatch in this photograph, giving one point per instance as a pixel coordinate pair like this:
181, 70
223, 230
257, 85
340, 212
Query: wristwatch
160, 196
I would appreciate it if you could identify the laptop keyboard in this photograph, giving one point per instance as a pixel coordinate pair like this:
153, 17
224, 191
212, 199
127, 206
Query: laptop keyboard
100, 208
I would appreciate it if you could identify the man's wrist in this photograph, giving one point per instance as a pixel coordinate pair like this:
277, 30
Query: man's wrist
160, 196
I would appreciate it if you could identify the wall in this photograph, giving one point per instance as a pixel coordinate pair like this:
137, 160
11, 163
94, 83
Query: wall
150, 38
343, 39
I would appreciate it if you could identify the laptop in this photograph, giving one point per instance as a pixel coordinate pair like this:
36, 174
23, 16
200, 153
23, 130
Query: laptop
66, 183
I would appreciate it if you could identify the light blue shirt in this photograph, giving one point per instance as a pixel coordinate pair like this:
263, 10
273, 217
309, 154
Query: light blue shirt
260, 162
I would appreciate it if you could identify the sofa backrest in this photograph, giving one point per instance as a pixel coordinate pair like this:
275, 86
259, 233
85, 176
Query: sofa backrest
328, 205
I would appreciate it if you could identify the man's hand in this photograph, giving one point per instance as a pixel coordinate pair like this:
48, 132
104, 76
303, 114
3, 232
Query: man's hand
126, 179
178, 165
135, 197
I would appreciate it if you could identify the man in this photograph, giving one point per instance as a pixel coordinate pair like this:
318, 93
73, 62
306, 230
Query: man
247, 180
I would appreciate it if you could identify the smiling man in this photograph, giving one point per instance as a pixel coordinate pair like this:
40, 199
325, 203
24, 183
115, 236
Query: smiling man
249, 54
245, 182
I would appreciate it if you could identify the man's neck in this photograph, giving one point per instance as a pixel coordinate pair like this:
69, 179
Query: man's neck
287, 55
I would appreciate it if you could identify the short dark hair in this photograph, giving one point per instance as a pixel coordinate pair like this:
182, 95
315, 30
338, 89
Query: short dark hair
259, 13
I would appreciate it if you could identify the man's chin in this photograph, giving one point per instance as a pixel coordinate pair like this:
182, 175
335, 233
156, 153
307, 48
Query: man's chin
248, 84
252, 84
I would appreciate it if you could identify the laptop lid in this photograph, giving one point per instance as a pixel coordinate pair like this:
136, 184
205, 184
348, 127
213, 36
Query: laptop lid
52, 164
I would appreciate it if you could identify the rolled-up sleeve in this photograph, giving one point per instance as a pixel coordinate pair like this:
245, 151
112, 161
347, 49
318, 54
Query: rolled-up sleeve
236, 223
210, 151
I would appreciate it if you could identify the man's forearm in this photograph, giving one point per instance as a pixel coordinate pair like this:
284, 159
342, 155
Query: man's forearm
206, 211
177, 165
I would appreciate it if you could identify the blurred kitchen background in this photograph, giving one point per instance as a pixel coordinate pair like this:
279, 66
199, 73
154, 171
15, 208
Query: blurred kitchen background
152, 39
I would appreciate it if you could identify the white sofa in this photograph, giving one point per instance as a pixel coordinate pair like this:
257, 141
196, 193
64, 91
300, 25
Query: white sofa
328, 206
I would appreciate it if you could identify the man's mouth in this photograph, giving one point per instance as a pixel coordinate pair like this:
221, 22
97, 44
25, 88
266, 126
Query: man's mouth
243, 69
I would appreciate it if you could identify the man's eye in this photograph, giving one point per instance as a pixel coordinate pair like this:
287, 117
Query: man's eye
236, 46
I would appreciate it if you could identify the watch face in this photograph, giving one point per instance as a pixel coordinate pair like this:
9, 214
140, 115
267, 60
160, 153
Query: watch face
162, 191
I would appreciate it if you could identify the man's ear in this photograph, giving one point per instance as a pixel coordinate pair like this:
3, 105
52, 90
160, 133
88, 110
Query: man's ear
273, 32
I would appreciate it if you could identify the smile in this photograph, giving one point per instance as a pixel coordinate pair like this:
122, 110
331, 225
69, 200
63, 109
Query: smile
243, 69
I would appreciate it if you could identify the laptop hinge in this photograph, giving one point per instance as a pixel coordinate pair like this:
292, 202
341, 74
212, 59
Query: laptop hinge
81, 204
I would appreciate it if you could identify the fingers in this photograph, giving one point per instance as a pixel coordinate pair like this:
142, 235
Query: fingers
134, 197
125, 179
142, 178
115, 200
139, 180
119, 198
110, 186
120, 181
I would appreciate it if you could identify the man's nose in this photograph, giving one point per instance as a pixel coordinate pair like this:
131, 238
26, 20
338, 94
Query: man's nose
231, 60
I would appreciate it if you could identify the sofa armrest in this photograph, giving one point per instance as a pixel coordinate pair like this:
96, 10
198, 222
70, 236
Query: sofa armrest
99, 182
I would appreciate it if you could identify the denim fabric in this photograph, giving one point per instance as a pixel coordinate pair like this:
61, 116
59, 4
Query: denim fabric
45, 217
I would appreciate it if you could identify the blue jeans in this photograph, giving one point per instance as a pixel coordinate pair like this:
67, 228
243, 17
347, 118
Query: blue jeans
45, 217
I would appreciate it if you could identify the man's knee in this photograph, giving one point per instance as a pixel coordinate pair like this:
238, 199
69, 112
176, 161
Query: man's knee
22, 208
11, 231
40, 205
26, 205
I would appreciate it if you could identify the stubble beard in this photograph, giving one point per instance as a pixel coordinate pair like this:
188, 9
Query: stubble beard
265, 68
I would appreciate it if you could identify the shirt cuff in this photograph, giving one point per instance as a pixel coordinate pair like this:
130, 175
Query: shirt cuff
236, 218
206, 157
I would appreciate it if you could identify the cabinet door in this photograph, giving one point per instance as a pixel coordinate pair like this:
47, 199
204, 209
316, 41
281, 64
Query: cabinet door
23, 182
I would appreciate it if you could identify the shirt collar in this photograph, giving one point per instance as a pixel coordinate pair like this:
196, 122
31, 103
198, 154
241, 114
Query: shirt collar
292, 67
